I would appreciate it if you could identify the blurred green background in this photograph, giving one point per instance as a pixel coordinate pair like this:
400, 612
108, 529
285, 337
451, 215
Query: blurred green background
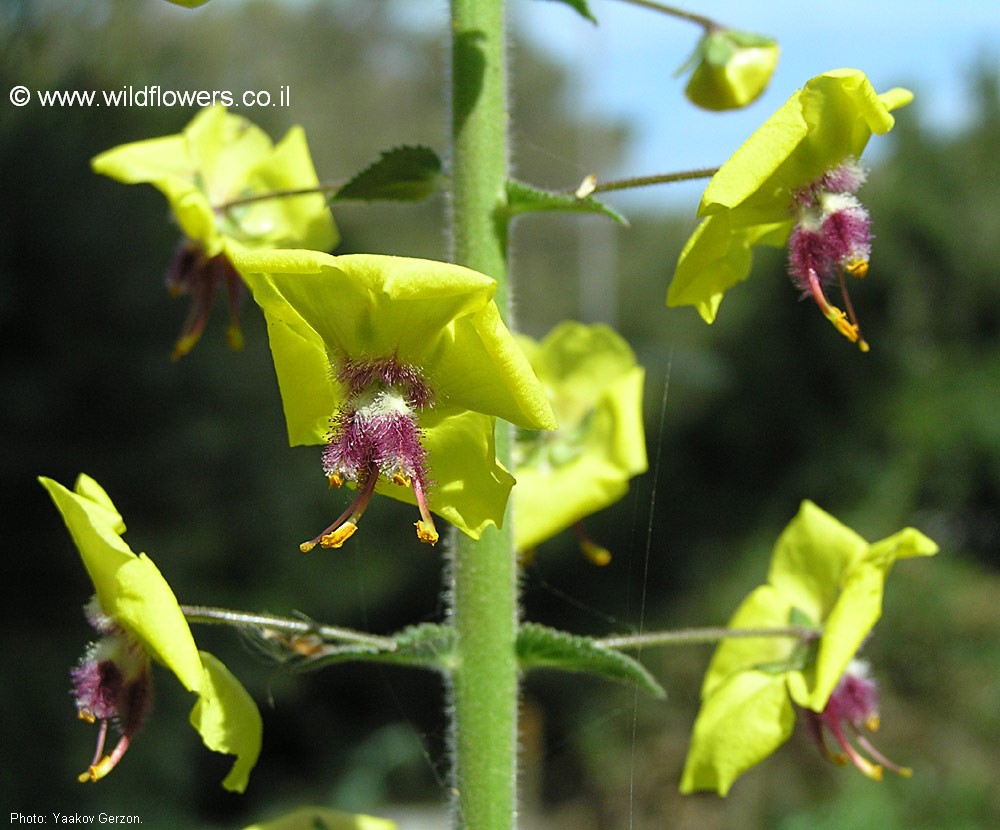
744, 420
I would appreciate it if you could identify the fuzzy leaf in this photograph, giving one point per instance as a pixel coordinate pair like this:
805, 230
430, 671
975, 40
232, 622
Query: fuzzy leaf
428, 645
404, 174
524, 198
541, 647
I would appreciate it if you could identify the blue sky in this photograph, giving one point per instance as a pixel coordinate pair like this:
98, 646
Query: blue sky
626, 65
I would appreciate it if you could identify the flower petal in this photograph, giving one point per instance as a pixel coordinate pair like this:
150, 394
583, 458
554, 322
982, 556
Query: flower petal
300, 221
857, 608
469, 487
469, 368
764, 607
228, 721
715, 258
596, 388
310, 394
433, 315
220, 157
614, 451
811, 559
827, 121
746, 719
130, 588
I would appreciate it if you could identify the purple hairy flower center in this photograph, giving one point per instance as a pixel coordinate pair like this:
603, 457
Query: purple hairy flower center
376, 434
831, 236
112, 684
853, 705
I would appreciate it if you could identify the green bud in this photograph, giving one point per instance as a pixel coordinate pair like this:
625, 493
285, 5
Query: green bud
733, 69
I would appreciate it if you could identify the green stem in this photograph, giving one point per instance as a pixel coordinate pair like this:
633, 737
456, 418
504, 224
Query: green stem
708, 634
705, 22
284, 625
633, 182
279, 194
482, 589
479, 140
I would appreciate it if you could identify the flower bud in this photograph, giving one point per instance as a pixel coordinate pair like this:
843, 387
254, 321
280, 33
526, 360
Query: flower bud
732, 69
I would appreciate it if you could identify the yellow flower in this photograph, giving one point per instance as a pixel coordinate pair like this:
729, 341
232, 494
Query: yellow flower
208, 172
732, 69
400, 367
797, 171
595, 385
139, 620
823, 577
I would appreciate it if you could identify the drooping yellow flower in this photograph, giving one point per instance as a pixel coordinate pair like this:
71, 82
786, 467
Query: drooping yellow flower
823, 577
400, 367
793, 178
139, 621
208, 172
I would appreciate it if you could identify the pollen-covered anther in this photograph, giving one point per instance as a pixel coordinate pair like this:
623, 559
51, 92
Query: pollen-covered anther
336, 480
426, 531
347, 523
595, 552
857, 268
104, 764
339, 536
845, 326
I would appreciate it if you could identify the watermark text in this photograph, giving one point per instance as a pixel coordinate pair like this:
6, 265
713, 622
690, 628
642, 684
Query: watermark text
74, 818
151, 95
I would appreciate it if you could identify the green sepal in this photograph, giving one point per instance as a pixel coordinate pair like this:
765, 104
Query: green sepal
539, 646
403, 174
322, 818
524, 198
428, 645
581, 8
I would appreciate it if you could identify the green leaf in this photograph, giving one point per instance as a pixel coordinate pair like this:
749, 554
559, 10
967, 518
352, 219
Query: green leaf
428, 645
541, 647
524, 198
580, 6
404, 174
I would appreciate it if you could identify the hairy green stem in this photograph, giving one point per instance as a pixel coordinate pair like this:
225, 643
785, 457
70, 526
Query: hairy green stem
705, 22
646, 181
482, 574
329, 187
283, 625
710, 634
